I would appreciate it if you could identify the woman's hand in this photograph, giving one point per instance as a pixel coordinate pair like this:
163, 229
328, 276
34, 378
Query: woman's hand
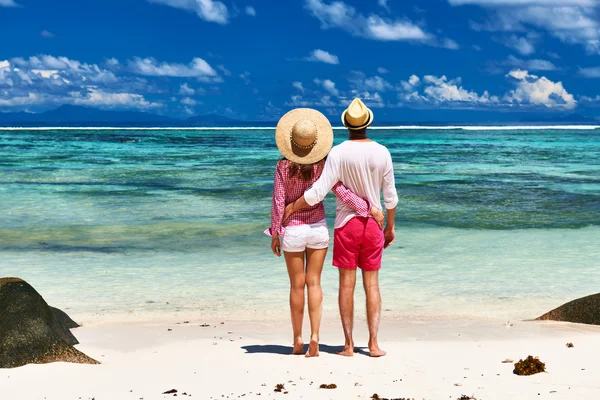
378, 216
276, 245
289, 210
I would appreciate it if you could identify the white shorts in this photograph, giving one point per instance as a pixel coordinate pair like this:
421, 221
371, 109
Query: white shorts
308, 236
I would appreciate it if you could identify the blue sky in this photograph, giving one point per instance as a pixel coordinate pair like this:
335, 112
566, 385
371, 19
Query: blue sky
256, 59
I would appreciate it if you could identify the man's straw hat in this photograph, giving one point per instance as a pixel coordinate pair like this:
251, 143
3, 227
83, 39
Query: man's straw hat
357, 115
304, 136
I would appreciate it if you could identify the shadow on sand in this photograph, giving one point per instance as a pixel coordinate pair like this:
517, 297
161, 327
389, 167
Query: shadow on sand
287, 350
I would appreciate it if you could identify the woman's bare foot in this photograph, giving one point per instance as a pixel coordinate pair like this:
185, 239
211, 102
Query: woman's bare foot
348, 351
298, 347
313, 347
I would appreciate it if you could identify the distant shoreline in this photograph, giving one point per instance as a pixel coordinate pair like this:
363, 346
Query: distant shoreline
230, 128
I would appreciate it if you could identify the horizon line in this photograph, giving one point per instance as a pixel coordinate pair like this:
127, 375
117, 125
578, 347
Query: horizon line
391, 127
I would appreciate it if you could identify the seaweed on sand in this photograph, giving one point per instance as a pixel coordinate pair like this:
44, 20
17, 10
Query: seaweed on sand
529, 366
279, 387
376, 397
326, 386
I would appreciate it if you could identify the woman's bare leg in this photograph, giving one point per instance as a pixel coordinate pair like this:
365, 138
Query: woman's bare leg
295, 267
314, 267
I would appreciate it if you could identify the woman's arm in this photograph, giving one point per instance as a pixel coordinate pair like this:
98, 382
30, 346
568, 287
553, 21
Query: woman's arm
351, 199
278, 203
348, 197
360, 205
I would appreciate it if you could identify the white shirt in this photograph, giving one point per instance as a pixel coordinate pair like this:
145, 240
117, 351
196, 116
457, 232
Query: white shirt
363, 167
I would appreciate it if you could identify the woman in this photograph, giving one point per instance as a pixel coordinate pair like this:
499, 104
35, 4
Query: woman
304, 137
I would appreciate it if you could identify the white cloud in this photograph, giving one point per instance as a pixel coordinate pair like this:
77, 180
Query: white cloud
47, 34
208, 10
526, 2
590, 72
299, 86
197, 68
414, 80
245, 77
224, 70
251, 11
410, 85
440, 90
531, 65
343, 16
383, 3
522, 44
328, 85
587, 99
99, 98
449, 44
8, 3
323, 56
188, 101
377, 84
477, 47
571, 21
382, 70
185, 90
46, 81
380, 29
112, 62
532, 89
359, 82
300, 101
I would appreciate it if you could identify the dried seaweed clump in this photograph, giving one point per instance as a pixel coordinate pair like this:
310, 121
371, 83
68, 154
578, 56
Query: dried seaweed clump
465, 397
529, 366
570, 344
279, 387
330, 386
376, 397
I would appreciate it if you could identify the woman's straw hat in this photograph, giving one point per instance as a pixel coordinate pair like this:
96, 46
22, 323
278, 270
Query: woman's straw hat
304, 136
357, 115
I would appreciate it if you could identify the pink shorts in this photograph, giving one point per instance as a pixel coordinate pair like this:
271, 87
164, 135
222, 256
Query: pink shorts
358, 243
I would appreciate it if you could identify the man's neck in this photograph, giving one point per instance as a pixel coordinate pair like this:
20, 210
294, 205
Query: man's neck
358, 136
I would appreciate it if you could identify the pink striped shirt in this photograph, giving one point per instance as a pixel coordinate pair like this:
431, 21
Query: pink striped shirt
287, 189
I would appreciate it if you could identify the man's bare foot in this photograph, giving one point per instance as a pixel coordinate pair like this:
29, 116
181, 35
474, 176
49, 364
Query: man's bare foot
313, 348
348, 351
298, 347
375, 351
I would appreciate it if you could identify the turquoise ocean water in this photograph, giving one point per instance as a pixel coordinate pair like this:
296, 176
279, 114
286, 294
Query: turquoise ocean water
499, 223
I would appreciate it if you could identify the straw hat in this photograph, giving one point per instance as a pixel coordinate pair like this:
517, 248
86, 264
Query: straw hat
357, 115
304, 136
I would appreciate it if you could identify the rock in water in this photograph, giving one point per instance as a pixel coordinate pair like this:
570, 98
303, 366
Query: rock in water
585, 310
31, 332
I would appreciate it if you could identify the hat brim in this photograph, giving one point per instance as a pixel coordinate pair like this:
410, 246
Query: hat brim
354, 128
299, 155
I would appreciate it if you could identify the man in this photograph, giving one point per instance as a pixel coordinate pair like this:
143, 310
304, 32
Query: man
365, 167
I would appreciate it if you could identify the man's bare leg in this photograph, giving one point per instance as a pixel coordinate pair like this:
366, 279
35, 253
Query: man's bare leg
295, 267
314, 266
371, 285
346, 303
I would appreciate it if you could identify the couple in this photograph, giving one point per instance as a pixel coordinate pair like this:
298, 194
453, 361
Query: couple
357, 170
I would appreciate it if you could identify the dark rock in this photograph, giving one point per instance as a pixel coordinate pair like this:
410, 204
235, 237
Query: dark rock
585, 310
64, 320
31, 332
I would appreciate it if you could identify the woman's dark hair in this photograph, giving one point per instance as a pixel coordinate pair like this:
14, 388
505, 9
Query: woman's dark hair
304, 171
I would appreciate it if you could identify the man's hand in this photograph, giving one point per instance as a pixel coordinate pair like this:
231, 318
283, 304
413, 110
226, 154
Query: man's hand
388, 235
289, 210
378, 216
276, 245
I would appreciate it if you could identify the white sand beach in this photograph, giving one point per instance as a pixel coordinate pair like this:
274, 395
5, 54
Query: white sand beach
427, 359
